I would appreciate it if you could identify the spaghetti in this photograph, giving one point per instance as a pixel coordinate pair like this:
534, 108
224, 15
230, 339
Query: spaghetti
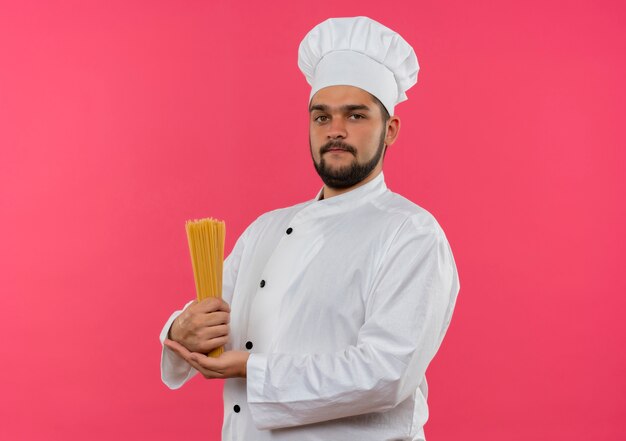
206, 246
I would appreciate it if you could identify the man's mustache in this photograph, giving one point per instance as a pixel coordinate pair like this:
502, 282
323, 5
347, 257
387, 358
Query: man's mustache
337, 145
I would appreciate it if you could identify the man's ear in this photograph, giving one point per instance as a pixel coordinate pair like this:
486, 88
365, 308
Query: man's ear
393, 128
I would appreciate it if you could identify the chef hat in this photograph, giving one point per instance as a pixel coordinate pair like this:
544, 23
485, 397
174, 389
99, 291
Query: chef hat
358, 51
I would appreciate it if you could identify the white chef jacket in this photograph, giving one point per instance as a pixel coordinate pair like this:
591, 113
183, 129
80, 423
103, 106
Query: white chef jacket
342, 303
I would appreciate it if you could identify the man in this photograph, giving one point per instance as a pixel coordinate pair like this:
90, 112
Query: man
332, 308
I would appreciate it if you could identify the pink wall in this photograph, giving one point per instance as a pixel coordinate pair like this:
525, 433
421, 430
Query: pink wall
119, 120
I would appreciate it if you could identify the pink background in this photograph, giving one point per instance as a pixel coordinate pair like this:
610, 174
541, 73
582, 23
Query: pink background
119, 120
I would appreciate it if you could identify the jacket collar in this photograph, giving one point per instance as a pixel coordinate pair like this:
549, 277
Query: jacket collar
373, 188
346, 201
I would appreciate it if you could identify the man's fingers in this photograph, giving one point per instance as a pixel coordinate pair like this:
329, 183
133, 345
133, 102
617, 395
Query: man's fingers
212, 304
224, 306
211, 332
194, 361
217, 318
214, 343
207, 363
211, 319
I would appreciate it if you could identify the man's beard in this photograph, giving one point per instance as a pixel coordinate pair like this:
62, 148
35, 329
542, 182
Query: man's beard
349, 175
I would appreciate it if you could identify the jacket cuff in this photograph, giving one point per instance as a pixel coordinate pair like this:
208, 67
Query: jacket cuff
174, 370
263, 414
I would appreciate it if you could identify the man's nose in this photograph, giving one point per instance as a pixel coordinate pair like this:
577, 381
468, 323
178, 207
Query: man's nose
337, 129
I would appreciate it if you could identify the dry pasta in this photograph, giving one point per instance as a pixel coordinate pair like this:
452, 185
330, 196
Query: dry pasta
206, 246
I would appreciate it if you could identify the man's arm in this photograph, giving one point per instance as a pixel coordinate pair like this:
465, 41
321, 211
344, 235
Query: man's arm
175, 371
406, 318
200, 326
230, 364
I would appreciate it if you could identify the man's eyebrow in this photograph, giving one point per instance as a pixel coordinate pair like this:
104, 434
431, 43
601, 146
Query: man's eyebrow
345, 108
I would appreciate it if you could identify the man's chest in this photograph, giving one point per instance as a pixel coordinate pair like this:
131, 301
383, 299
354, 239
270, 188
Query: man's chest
305, 287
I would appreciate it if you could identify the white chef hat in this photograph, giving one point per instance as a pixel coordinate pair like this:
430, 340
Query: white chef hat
358, 51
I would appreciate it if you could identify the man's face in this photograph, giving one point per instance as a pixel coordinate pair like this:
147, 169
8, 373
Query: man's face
346, 135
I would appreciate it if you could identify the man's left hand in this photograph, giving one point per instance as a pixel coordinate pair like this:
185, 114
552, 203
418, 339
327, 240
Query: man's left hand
230, 364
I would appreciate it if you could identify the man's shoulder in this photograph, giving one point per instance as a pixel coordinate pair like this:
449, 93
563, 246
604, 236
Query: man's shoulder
397, 205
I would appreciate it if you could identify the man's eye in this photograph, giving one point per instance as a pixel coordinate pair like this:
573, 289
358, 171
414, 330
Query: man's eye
357, 116
321, 118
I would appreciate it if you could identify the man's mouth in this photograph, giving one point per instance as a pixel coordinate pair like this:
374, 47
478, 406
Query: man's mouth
330, 148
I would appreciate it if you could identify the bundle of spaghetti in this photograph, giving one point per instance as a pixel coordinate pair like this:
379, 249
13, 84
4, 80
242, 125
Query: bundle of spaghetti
206, 246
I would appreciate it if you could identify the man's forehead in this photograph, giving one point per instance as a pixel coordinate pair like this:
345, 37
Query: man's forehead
341, 97
341, 108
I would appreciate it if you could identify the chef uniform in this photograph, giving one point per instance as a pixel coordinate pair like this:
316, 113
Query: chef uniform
341, 302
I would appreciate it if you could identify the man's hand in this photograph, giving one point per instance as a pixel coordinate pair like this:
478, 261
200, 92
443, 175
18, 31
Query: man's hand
230, 364
202, 326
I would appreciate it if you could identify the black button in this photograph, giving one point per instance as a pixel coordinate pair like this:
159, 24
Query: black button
262, 283
236, 408
249, 345
289, 230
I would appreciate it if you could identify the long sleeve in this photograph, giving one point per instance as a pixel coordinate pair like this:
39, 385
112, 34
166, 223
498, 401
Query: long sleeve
408, 311
174, 370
